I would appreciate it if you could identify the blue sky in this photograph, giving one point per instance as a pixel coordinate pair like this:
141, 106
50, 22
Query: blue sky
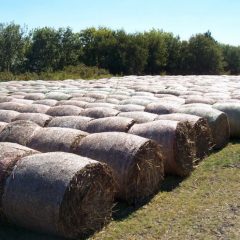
182, 17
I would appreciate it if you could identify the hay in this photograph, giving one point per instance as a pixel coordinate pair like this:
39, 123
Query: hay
139, 117
8, 115
38, 118
35, 96
19, 132
10, 153
232, 109
136, 162
64, 110
76, 103
12, 106
34, 108
99, 112
175, 140
59, 193
48, 102
201, 131
162, 107
75, 122
130, 108
135, 101
53, 139
58, 96
110, 124
217, 121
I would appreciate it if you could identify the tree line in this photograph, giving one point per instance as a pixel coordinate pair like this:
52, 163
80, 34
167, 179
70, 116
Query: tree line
152, 52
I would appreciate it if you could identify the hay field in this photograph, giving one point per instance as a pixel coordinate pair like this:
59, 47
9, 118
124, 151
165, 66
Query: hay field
120, 158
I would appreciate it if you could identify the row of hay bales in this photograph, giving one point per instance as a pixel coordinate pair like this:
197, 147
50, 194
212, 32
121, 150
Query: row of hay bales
131, 130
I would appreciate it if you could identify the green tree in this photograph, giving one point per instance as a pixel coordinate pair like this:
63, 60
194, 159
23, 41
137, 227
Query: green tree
157, 52
205, 55
232, 58
45, 51
13, 40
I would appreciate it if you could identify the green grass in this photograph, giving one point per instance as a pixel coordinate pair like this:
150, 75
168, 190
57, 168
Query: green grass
206, 205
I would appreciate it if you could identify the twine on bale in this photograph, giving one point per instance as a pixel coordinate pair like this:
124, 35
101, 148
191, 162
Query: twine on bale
59, 193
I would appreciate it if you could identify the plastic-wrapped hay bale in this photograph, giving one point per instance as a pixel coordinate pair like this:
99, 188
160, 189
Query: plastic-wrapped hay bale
39, 118
2, 125
162, 107
8, 115
64, 110
136, 162
130, 108
53, 139
48, 102
34, 108
139, 117
10, 153
201, 131
99, 112
75, 122
24, 101
176, 141
59, 193
76, 103
19, 132
232, 109
217, 121
110, 124
12, 106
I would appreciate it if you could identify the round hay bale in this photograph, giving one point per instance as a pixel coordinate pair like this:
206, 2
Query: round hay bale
19, 132
8, 115
38, 118
99, 112
175, 140
135, 101
199, 99
98, 104
35, 96
64, 110
10, 153
14, 106
110, 124
24, 101
34, 108
232, 110
200, 130
84, 99
76, 103
75, 122
139, 117
48, 102
161, 107
59, 193
5, 99
130, 108
136, 162
52, 139
58, 96
217, 121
